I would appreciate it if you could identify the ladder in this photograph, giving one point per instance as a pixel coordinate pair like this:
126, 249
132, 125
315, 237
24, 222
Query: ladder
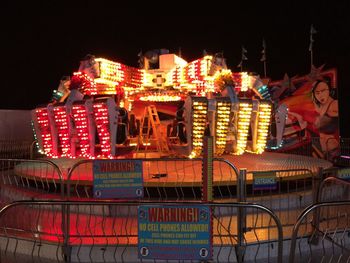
150, 122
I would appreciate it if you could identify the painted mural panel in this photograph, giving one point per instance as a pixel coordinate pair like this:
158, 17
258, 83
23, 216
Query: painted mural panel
311, 119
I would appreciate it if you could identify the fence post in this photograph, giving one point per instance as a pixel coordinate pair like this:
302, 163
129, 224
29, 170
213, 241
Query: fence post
241, 215
32, 148
207, 169
316, 182
65, 231
66, 217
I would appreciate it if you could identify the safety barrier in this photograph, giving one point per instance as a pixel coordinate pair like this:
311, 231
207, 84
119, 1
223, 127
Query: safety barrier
164, 178
325, 224
345, 146
295, 190
322, 238
333, 189
174, 179
70, 231
16, 149
29, 179
287, 193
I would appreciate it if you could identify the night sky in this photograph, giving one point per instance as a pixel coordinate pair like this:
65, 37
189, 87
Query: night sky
45, 40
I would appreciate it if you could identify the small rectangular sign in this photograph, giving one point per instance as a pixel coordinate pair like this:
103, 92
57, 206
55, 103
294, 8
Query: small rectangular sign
344, 174
264, 181
175, 232
118, 179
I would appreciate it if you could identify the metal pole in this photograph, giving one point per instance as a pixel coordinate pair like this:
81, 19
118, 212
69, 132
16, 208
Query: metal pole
316, 182
311, 58
241, 215
66, 214
32, 147
207, 169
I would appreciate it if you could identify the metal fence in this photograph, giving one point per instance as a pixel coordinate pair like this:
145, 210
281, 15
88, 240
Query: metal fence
321, 233
287, 197
16, 149
164, 178
97, 231
168, 179
177, 180
334, 189
22, 179
345, 146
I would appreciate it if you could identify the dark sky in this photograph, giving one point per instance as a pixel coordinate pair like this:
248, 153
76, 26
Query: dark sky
45, 40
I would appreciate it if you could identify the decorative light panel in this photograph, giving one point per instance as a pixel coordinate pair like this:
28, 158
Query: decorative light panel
263, 126
61, 122
43, 121
199, 122
86, 140
102, 124
160, 97
85, 84
244, 115
114, 74
223, 111
245, 84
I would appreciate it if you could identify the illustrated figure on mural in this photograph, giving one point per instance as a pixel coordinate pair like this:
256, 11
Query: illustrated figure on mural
327, 122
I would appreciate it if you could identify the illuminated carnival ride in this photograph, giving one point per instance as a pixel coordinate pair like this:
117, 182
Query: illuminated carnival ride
167, 105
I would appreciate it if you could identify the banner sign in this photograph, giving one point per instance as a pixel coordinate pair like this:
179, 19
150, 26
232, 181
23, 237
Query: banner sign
264, 181
175, 232
118, 179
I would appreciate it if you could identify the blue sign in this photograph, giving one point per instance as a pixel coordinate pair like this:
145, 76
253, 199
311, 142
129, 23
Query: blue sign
264, 181
175, 232
118, 179
344, 174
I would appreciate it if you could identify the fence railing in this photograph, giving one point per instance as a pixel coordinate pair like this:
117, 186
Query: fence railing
167, 180
164, 178
291, 192
30, 179
333, 189
345, 146
16, 149
321, 233
295, 190
99, 231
